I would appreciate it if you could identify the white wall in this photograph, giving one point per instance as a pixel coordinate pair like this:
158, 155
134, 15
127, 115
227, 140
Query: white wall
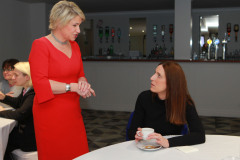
14, 30
38, 20
182, 20
213, 86
21, 23
117, 84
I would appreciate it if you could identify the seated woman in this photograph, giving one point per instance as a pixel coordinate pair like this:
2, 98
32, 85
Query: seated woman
166, 107
7, 85
23, 135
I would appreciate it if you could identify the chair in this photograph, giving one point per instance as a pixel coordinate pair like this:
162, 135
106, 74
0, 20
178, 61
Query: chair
18, 154
183, 132
128, 125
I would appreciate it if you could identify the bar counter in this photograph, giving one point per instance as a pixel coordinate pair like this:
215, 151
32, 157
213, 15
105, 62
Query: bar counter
157, 60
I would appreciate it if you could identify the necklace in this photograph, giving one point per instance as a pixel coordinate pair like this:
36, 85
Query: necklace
63, 43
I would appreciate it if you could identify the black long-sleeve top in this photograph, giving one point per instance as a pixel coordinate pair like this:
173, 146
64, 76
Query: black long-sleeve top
151, 112
23, 115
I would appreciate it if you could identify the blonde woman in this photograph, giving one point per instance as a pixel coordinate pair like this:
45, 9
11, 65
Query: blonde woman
59, 81
23, 135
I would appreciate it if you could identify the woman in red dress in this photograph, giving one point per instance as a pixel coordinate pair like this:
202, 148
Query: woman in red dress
59, 80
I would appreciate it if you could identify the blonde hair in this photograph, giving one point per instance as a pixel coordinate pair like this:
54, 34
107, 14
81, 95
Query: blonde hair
62, 12
24, 67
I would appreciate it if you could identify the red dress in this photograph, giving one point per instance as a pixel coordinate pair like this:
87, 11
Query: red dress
59, 127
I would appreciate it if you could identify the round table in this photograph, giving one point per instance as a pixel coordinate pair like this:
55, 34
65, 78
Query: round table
6, 126
216, 147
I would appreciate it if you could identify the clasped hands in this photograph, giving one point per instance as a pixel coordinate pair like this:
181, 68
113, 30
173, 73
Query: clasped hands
82, 88
158, 137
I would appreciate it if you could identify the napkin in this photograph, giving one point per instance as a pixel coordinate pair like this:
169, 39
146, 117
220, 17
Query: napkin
187, 149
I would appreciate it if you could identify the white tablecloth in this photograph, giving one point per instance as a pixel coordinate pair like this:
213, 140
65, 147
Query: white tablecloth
6, 126
216, 147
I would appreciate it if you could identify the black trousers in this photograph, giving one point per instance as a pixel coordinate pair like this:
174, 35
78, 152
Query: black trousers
13, 143
16, 141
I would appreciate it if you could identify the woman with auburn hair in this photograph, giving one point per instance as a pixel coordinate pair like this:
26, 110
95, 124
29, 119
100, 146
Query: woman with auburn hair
167, 107
23, 135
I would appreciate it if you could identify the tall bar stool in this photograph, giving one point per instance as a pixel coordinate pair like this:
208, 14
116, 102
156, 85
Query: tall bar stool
18, 154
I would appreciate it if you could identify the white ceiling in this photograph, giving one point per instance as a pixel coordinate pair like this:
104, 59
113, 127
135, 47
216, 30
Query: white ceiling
89, 6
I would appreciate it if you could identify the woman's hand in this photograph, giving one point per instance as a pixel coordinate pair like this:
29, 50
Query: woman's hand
2, 96
85, 94
89, 93
138, 135
83, 85
10, 93
1, 108
159, 139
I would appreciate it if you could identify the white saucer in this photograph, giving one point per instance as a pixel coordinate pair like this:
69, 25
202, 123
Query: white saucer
148, 145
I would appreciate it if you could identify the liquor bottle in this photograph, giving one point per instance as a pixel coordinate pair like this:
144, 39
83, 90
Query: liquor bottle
119, 34
113, 34
236, 29
155, 33
100, 33
111, 50
106, 33
163, 32
171, 31
229, 31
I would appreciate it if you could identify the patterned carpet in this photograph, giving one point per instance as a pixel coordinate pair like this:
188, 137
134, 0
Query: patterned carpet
109, 127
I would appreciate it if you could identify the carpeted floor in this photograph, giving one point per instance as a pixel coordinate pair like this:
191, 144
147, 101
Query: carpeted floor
109, 127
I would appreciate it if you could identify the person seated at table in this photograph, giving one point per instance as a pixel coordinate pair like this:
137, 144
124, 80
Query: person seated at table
7, 85
166, 107
23, 135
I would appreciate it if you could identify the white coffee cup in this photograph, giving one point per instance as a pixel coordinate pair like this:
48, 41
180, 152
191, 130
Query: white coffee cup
146, 132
